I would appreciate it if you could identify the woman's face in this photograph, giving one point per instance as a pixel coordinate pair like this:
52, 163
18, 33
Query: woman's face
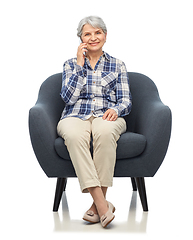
94, 37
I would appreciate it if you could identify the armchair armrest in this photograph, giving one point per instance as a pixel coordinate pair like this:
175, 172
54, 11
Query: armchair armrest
152, 119
154, 122
42, 127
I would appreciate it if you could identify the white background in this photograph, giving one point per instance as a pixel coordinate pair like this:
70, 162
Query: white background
152, 37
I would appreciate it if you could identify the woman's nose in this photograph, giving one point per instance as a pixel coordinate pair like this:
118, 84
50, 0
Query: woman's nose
93, 37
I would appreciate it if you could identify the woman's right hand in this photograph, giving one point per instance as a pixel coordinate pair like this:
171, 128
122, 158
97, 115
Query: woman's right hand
80, 54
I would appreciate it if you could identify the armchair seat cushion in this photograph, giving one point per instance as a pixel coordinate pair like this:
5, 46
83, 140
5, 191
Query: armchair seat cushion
129, 145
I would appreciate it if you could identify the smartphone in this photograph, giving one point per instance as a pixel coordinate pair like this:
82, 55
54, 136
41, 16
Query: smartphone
85, 48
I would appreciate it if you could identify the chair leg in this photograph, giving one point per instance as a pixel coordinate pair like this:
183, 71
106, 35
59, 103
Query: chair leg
65, 182
133, 184
142, 192
60, 187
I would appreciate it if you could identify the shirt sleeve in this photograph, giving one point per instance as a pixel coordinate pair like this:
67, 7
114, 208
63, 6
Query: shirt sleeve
72, 82
123, 94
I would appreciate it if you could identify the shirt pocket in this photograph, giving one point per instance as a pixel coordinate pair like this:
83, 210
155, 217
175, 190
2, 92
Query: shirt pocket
109, 80
109, 84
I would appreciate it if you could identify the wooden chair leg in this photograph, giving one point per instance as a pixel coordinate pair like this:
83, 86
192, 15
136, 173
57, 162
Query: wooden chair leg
142, 192
134, 184
60, 187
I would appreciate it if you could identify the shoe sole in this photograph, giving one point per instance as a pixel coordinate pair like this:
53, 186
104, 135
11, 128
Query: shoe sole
89, 221
108, 222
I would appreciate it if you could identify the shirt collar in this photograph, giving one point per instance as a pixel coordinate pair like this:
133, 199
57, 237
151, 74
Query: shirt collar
106, 55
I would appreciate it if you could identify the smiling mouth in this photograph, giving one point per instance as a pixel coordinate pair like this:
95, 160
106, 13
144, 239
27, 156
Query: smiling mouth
94, 44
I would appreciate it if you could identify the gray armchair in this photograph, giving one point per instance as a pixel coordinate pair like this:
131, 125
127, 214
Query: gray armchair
140, 151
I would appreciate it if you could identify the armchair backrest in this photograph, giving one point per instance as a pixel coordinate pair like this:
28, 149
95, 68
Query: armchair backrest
144, 93
49, 94
143, 90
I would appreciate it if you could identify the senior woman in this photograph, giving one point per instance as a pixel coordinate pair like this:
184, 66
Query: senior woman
95, 89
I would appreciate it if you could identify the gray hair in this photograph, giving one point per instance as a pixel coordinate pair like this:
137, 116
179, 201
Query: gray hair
94, 21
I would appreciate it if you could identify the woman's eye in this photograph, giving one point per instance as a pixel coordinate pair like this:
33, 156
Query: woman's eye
98, 32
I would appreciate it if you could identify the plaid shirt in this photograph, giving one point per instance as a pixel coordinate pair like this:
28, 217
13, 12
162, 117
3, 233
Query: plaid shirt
89, 92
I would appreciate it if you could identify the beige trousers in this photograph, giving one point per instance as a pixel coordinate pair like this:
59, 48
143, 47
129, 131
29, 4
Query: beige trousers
99, 170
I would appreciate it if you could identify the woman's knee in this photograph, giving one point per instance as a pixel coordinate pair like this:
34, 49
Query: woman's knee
108, 130
74, 133
104, 135
77, 138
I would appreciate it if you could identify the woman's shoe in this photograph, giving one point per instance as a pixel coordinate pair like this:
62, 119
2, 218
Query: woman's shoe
107, 218
111, 207
91, 217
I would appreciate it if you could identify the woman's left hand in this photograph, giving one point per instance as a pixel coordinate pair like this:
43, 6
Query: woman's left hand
110, 115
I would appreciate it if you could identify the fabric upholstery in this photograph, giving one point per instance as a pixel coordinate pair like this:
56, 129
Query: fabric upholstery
149, 118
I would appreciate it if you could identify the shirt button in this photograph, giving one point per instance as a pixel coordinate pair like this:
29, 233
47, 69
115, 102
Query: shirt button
94, 71
93, 82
